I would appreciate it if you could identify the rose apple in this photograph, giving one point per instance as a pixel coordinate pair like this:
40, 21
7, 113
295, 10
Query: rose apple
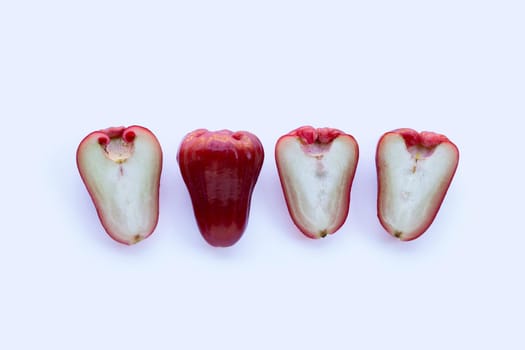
316, 168
414, 171
220, 170
121, 168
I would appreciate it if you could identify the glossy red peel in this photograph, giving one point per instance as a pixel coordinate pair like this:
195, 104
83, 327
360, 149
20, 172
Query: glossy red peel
220, 170
316, 168
121, 168
414, 171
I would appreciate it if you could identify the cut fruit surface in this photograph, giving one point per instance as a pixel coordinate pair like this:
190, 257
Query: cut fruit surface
414, 173
121, 168
316, 169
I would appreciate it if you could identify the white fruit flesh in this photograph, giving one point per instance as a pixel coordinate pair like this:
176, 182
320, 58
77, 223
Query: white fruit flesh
413, 184
316, 180
123, 180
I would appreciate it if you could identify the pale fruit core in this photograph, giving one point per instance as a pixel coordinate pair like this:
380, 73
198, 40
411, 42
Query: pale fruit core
118, 150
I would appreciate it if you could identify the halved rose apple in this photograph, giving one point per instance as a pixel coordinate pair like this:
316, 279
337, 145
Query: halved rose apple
414, 171
121, 170
316, 168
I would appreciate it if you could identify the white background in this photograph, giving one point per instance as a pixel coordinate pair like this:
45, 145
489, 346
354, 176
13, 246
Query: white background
70, 67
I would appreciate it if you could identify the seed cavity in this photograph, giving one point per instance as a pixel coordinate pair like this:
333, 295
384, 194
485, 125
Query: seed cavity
118, 150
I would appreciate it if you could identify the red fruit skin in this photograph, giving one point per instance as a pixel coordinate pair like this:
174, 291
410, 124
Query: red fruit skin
426, 139
311, 136
220, 170
129, 134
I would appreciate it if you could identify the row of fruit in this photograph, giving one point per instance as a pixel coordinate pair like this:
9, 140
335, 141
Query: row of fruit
121, 169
